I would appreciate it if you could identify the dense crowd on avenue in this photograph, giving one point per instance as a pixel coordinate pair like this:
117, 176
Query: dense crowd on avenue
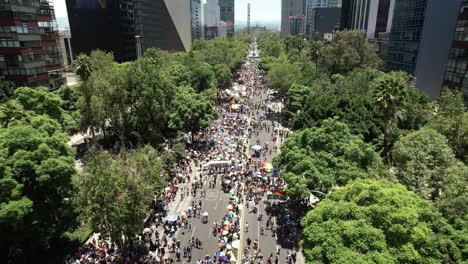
233, 157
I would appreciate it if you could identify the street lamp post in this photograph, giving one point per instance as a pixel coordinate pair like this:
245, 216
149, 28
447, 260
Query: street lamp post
138, 46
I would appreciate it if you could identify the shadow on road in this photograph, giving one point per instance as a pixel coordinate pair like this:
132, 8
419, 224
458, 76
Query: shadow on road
288, 222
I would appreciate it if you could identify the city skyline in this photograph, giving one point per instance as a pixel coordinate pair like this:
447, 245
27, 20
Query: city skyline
261, 10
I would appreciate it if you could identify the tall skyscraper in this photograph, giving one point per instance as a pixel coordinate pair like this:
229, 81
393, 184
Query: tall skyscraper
322, 20
297, 25
318, 21
456, 74
197, 16
291, 8
248, 18
420, 40
227, 15
29, 53
114, 25
372, 16
212, 14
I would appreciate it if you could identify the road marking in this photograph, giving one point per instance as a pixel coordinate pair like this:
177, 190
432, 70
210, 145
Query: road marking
258, 228
193, 232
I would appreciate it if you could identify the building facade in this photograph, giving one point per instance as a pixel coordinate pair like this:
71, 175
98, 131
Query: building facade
440, 23
114, 26
222, 29
322, 21
297, 25
291, 8
227, 14
64, 45
456, 74
372, 16
29, 53
420, 41
212, 13
196, 12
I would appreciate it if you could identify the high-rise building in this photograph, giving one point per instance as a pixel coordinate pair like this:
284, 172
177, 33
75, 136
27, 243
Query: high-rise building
316, 3
334, 3
322, 21
372, 16
456, 74
291, 8
29, 55
222, 29
64, 45
212, 14
248, 18
440, 23
227, 9
297, 25
420, 40
115, 25
197, 16
323, 16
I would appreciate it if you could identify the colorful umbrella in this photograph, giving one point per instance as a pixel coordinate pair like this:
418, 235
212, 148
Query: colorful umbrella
230, 207
224, 233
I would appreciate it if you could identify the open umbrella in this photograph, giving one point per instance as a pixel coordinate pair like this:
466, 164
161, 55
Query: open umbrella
224, 233
236, 244
205, 214
226, 222
230, 207
227, 228
256, 147
171, 218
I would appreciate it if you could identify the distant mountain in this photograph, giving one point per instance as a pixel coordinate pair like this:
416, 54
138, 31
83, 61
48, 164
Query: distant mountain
63, 22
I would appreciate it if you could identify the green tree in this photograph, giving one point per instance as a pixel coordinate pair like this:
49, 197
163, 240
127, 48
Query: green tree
203, 77
297, 96
451, 120
453, 199
371, 221
83, 70
350, 50
150, 94
322, 158
180, 75
190, 111
114, 194
282, 75
422, 161
390, 92
223, 76
316, 53
7, 90
35, 177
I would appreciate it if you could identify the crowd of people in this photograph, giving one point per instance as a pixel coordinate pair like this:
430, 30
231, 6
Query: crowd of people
233, 154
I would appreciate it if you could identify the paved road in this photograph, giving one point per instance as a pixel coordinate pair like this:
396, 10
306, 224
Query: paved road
216, 201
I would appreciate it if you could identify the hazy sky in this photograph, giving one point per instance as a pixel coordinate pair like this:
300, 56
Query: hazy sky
264, 10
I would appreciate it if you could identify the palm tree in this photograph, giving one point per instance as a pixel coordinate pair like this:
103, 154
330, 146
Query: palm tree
390, 92
315, 53
83, 69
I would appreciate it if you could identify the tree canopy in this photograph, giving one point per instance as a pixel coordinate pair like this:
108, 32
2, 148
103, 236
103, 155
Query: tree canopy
423, 161
325, 157
36, 178
371, 221
190, 111
114, 194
